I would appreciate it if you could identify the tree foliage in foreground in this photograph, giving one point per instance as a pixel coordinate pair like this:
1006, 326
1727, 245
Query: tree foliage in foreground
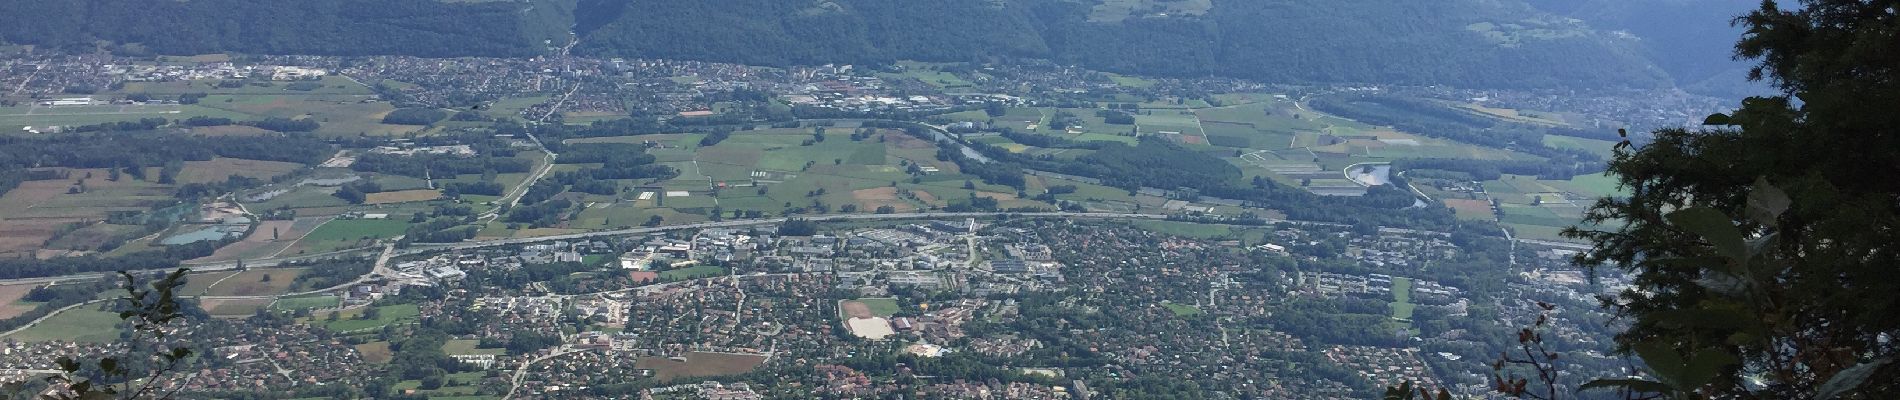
1764, 245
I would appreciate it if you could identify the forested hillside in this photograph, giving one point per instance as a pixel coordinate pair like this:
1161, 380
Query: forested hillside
328, 27
1471, 43
1460, 42
1691, 39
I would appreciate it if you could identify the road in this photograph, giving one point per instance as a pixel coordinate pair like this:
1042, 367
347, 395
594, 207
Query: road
513, 196
522, 372
768, 221
195, 267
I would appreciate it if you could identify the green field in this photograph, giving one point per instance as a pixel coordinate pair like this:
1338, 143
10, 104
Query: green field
299, 303
302, 197
1182, 310
930, 75
257, 282
1402, 306
768, 170
336, 102
12, 119
697, 271
198, 283
1601, 148
1591, 185
466, 388
391, 314
81, 324
882, 307
1538, 209
353, 229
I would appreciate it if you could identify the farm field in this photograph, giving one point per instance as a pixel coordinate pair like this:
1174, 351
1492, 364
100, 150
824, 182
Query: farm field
1469, 209
299, 197
303, 302
342, 106
255, 244
269, 239
200, 282
1601, 148
85, 323
1538, 209
776, 171
41, 118
402, 196
699, 364
346, 233
375, 352
218, 169
10, 305
33, 212
233, 308
257, 282
1540, 118
94, 236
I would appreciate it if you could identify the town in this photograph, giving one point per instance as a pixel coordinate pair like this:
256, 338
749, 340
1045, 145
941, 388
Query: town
857, 310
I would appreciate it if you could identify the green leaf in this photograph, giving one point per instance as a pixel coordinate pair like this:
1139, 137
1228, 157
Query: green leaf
1714, 227
1722, 316
1703, 366
1634, 385
1717, 119
1723, 284
1663, 360
67, 364
1766, 202
1849, 379
109, 365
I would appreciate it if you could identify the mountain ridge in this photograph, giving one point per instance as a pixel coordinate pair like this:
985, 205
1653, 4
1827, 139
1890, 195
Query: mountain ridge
1464, 43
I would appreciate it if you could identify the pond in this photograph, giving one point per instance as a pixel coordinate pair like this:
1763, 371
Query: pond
208, 232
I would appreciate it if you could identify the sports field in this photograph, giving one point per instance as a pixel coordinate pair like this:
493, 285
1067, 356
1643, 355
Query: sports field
870, 307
